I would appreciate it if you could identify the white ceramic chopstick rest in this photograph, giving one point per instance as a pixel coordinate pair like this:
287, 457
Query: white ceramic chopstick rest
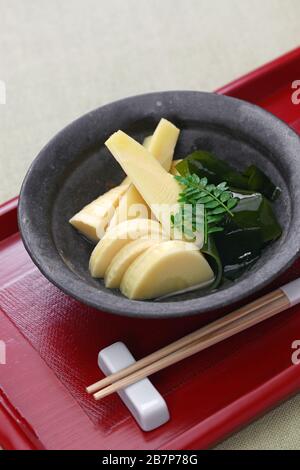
141, 398
292, 291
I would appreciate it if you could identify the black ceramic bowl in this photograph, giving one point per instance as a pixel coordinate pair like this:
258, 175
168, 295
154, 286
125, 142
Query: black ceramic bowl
75, 167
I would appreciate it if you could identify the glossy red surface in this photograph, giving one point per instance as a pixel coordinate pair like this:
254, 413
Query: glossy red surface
52, 345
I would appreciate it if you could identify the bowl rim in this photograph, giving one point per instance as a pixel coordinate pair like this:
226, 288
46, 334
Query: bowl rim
107, 301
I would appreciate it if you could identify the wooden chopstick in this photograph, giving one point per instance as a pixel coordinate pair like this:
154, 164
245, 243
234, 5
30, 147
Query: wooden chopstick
185, 341
223, 328
269, 310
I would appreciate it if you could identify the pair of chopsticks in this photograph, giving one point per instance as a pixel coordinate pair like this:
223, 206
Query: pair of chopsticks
239, 320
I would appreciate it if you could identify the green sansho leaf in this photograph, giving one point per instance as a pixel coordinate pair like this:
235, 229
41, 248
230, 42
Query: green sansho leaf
217, 201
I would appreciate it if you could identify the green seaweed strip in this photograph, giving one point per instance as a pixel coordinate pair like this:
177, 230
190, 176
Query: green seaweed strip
210, 251
259, 181
205, 164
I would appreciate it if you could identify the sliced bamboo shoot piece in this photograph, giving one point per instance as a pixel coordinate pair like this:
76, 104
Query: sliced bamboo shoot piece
162, 143
131, 206
98, 213
119, 236
123, 259
158, 188
165, 268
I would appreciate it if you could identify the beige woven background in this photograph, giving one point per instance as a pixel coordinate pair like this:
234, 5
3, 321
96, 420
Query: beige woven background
62, 58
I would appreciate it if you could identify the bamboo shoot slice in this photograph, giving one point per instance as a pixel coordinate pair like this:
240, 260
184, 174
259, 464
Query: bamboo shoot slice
165, 268
158, 188
131, 206
98, 213
162, 143
119, 236
123, 259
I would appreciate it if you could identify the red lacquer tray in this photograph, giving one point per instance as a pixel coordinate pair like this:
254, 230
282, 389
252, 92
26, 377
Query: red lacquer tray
52, 343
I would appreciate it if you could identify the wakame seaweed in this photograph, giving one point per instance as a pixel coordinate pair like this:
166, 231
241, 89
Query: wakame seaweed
255, 211
253, 225
259, 181
206, 164
211, 252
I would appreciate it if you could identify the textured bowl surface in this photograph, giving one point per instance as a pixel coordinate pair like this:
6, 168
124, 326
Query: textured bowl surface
75, 167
